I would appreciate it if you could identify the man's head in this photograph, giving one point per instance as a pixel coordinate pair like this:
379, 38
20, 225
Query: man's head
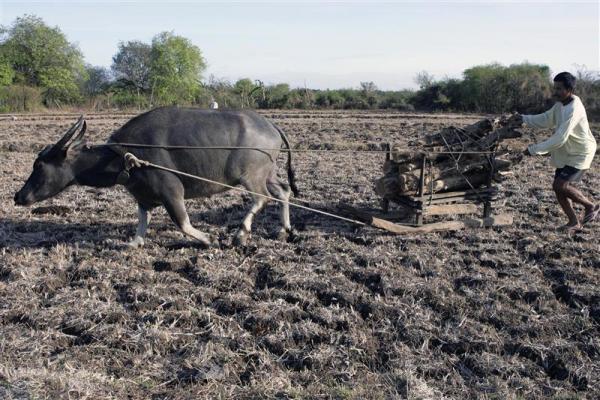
564, 84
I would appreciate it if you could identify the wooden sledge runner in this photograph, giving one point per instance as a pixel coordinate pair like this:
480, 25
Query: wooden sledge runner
377, 220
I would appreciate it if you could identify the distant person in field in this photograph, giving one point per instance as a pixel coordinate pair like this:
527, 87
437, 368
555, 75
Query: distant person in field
572, 147
214, 105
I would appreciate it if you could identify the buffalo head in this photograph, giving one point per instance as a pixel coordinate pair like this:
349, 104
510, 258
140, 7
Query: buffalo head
52, 170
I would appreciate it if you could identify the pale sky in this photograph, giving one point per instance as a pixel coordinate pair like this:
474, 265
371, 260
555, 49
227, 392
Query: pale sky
336, 44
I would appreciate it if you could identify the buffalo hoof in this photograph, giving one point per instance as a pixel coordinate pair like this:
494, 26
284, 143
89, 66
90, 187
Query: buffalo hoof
136, 243
241, 238
215, 242
286, 235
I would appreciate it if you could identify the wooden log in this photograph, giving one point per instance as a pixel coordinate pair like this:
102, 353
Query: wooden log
448, 167
400, 229
447, 172
478, 198
456, 182
453, 135
478, 136
434, 227
408, 183
443, 179
499, 135
375, 212
465, 193
406, 167
402, 155
370, 219
391, 186
455, 168
390, 166
381, 223
497, 220
450, 209
444, 226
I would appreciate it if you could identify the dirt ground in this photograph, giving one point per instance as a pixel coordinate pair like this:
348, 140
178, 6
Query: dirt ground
338, 312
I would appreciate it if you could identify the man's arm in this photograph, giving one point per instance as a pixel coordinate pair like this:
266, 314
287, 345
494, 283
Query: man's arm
541, 121
560, 135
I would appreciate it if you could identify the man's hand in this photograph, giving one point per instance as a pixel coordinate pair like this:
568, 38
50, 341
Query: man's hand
517, 118
515, 121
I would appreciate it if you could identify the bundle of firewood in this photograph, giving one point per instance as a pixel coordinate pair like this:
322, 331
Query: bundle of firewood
455, 159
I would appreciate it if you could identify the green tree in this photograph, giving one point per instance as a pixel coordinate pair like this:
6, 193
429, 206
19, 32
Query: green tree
433, 97
496, 88
369, 93
7, 73
531, 87
243, 88
98, 80
368, 88
176, 67
132, 64
492, 88
588, 88
482, 85
276, 96
302, 98
354, 99
398, 100
221, 90
329, 99
42, 56
424, 79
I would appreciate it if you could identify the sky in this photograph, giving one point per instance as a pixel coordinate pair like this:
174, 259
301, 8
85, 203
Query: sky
334, 45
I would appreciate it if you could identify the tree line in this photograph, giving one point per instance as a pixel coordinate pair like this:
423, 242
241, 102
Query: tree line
40, 68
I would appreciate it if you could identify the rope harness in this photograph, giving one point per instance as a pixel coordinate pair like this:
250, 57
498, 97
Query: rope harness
131, 162
177, 147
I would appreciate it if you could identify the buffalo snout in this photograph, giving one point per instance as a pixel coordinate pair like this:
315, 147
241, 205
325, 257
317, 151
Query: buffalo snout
22, 199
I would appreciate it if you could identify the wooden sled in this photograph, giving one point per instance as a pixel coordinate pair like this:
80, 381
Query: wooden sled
378, 220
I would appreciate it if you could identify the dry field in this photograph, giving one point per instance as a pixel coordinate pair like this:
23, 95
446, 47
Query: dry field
338, 312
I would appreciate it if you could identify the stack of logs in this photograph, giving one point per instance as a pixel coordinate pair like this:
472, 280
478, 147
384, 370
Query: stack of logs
456, 159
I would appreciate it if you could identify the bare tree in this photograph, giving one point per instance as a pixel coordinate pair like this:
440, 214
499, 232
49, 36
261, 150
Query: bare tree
424, 79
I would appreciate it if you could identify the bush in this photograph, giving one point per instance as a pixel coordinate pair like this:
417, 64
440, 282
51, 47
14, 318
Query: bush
489, 88
329, 99
276, 96
7, 74
124, 98
396, 100
588, 88
20, 98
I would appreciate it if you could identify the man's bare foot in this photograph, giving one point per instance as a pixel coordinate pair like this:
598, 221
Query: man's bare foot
591, 214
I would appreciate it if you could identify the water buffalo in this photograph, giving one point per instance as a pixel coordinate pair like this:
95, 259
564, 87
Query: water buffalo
72, 162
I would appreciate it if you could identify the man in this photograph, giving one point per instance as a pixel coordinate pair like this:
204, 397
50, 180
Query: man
572, 147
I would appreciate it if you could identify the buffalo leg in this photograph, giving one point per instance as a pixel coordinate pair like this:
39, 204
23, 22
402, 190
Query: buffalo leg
281, 191
241, 238
173, 202
144, 217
